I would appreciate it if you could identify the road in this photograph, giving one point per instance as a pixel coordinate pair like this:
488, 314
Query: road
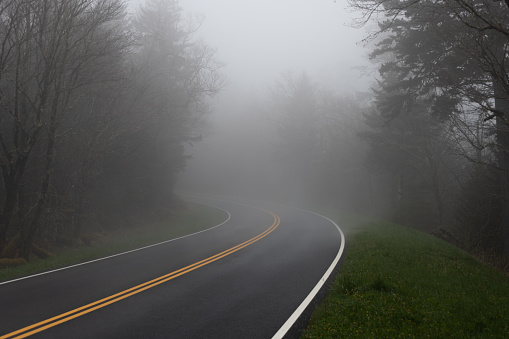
242, 279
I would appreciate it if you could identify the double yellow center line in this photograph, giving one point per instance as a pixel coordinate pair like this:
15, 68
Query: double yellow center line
59, 319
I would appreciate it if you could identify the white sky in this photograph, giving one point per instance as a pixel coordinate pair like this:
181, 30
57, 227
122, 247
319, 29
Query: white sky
260, 39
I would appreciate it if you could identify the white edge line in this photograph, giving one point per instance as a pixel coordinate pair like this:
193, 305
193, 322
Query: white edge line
118, 254
296, 314
300, 309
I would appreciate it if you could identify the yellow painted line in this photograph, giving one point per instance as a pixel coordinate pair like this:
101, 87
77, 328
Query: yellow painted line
64, 317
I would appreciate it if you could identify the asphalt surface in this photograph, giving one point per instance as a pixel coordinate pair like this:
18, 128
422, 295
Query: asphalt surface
249, 293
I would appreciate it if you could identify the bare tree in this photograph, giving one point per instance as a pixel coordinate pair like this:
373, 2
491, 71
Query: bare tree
54, 48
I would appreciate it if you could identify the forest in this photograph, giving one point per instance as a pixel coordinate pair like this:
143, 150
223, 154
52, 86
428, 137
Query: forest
441, 112
98, 107
95, 108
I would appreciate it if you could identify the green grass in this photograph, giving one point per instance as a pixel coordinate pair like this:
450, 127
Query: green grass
398, 283
193, 219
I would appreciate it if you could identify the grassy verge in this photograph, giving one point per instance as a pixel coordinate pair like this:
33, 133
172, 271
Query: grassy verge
396, 282
192, 219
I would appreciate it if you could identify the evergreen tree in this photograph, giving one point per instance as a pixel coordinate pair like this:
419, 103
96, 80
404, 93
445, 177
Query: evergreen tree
450, 54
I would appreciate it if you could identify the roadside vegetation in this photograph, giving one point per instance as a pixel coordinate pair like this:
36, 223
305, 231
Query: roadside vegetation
186, 220
398, 282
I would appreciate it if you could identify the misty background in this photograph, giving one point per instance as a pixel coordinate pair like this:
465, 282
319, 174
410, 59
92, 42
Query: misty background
363, 107
259, 42
395, 109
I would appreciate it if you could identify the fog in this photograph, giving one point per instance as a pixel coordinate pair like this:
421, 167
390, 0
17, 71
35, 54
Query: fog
306, 116
258, 42
225, 97
265, 99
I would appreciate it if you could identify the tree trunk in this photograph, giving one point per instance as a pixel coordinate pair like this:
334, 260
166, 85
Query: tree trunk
439, 204
77, 220
502, 105
501, 96
12, 176
45, 184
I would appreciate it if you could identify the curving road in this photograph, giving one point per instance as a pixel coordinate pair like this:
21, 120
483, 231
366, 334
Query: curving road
242, 279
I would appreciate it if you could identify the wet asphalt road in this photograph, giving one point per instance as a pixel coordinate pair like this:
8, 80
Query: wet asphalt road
249, 293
